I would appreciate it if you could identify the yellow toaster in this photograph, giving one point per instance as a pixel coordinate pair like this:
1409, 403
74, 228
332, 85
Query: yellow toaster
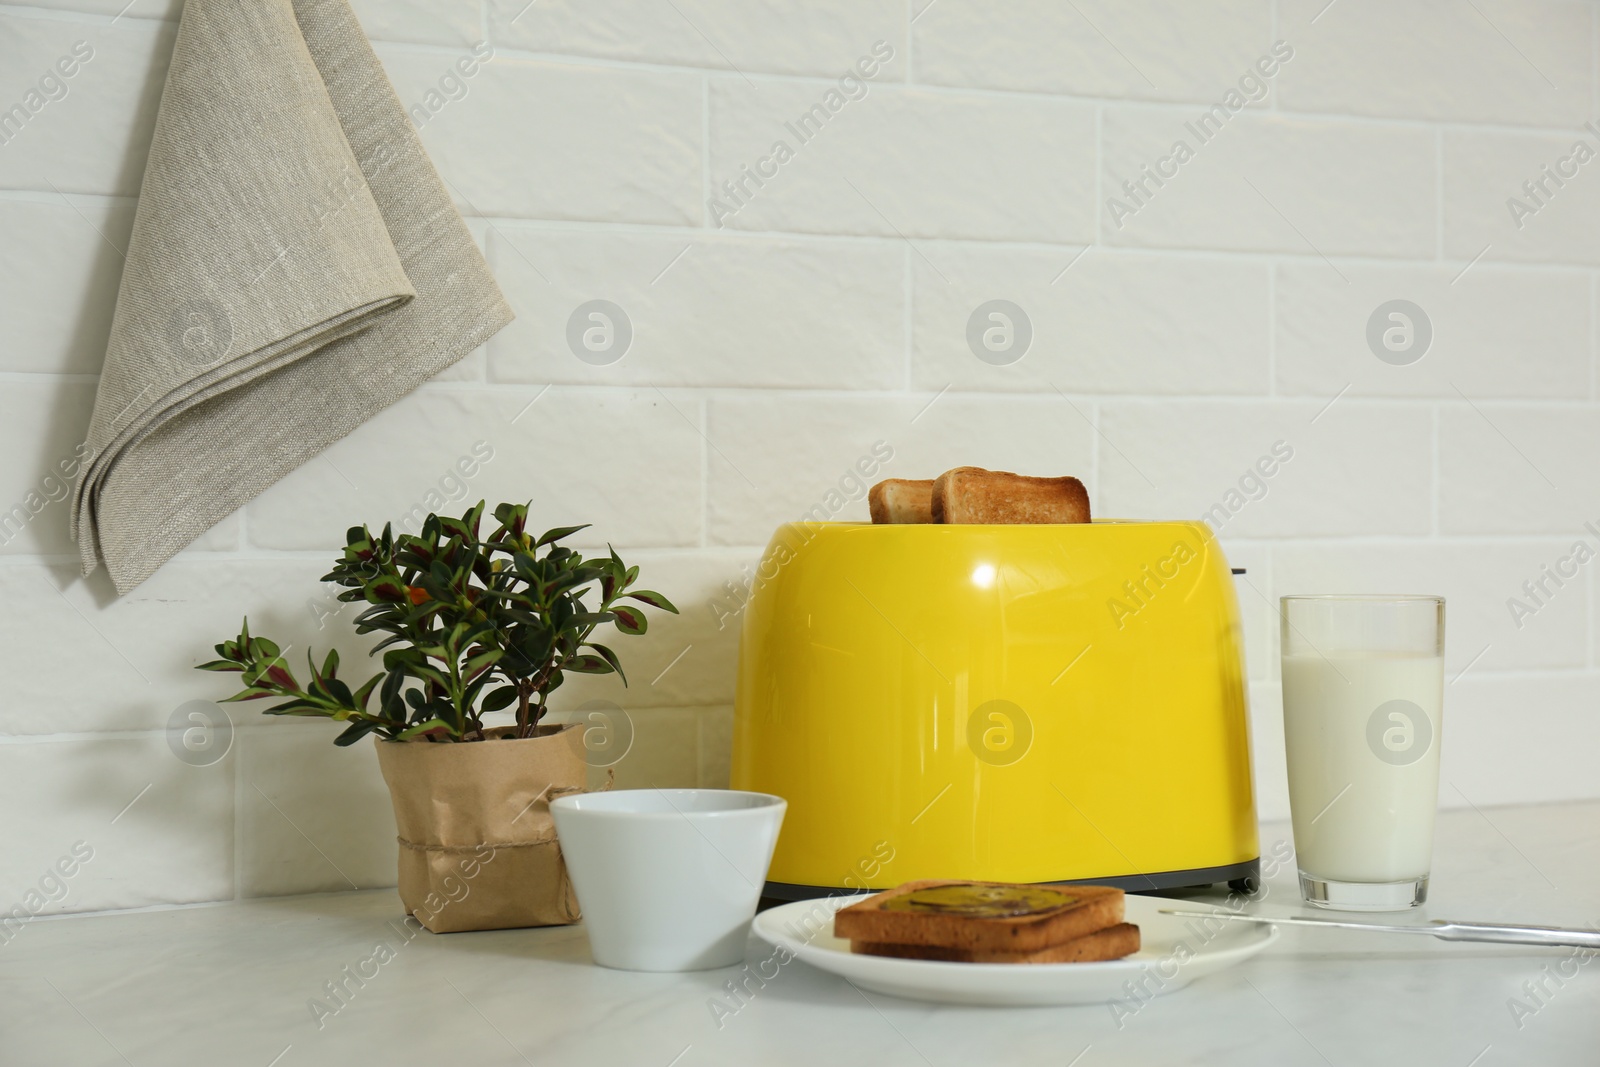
1006, 703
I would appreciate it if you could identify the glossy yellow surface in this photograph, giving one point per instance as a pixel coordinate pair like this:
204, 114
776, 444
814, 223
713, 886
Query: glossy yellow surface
869, 659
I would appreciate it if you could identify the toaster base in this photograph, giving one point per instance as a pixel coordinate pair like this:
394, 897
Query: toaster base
1244, 877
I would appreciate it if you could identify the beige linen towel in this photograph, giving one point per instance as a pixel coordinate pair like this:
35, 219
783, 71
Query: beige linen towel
296, 266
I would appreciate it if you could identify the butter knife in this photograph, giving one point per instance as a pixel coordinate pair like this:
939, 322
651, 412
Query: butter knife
1443, 929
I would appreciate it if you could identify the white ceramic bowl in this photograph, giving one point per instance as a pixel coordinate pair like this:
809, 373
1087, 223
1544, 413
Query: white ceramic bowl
668, 879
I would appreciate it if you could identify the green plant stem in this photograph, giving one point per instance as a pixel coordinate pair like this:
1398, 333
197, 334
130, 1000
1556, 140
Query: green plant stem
523, 694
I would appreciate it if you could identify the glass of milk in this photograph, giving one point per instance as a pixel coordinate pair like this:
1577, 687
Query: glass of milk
1363, 686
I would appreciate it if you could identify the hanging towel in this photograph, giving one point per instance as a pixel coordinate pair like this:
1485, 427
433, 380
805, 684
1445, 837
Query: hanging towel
296, 266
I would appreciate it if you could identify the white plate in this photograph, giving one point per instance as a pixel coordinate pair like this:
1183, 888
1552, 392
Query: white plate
1174, 952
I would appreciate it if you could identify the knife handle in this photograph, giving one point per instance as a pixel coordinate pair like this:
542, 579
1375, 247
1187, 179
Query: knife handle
1505, 933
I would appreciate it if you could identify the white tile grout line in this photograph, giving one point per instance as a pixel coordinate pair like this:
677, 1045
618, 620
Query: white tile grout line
1438, 194
1272, 328
1438, 485
1548, 539
1589, 617
1274, 635
1094, 448
908, 316
1099, 165
700, 751
236, 768
80, 17
911, 16
705, 153
705, 472
479, 389
1594, 328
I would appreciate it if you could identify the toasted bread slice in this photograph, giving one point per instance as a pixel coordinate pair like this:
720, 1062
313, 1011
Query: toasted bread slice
1112, 943
980, 916
974, 495
901, 500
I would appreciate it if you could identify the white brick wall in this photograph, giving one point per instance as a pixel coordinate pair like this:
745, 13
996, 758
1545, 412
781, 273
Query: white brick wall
779, 335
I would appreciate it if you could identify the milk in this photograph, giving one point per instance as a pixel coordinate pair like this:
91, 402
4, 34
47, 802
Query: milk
1362, 733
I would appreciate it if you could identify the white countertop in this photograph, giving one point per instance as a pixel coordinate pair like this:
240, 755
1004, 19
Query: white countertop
232, 985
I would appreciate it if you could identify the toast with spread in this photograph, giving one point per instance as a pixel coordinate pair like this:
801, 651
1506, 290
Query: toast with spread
1112, 943
990, 922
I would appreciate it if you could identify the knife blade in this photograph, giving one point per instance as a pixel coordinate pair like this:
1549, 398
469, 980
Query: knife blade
1443, 929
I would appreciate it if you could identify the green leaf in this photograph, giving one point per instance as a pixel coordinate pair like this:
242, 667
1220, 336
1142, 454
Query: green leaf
558, 533
330, 666
527, 567
513, 518
387, 589
422, 728
355, 732
364, 694
586, 664
610, 657
500, 698
630, 621
401, 659
392, 639
654, 599
252, 693
220, 665
340, 693
476, 665
302, 708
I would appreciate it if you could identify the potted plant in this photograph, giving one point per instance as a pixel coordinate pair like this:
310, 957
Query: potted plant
475, 625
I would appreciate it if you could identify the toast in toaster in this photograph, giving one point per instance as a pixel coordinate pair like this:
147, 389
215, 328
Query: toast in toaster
980, 916
1112, 943
975, 495
901, 500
